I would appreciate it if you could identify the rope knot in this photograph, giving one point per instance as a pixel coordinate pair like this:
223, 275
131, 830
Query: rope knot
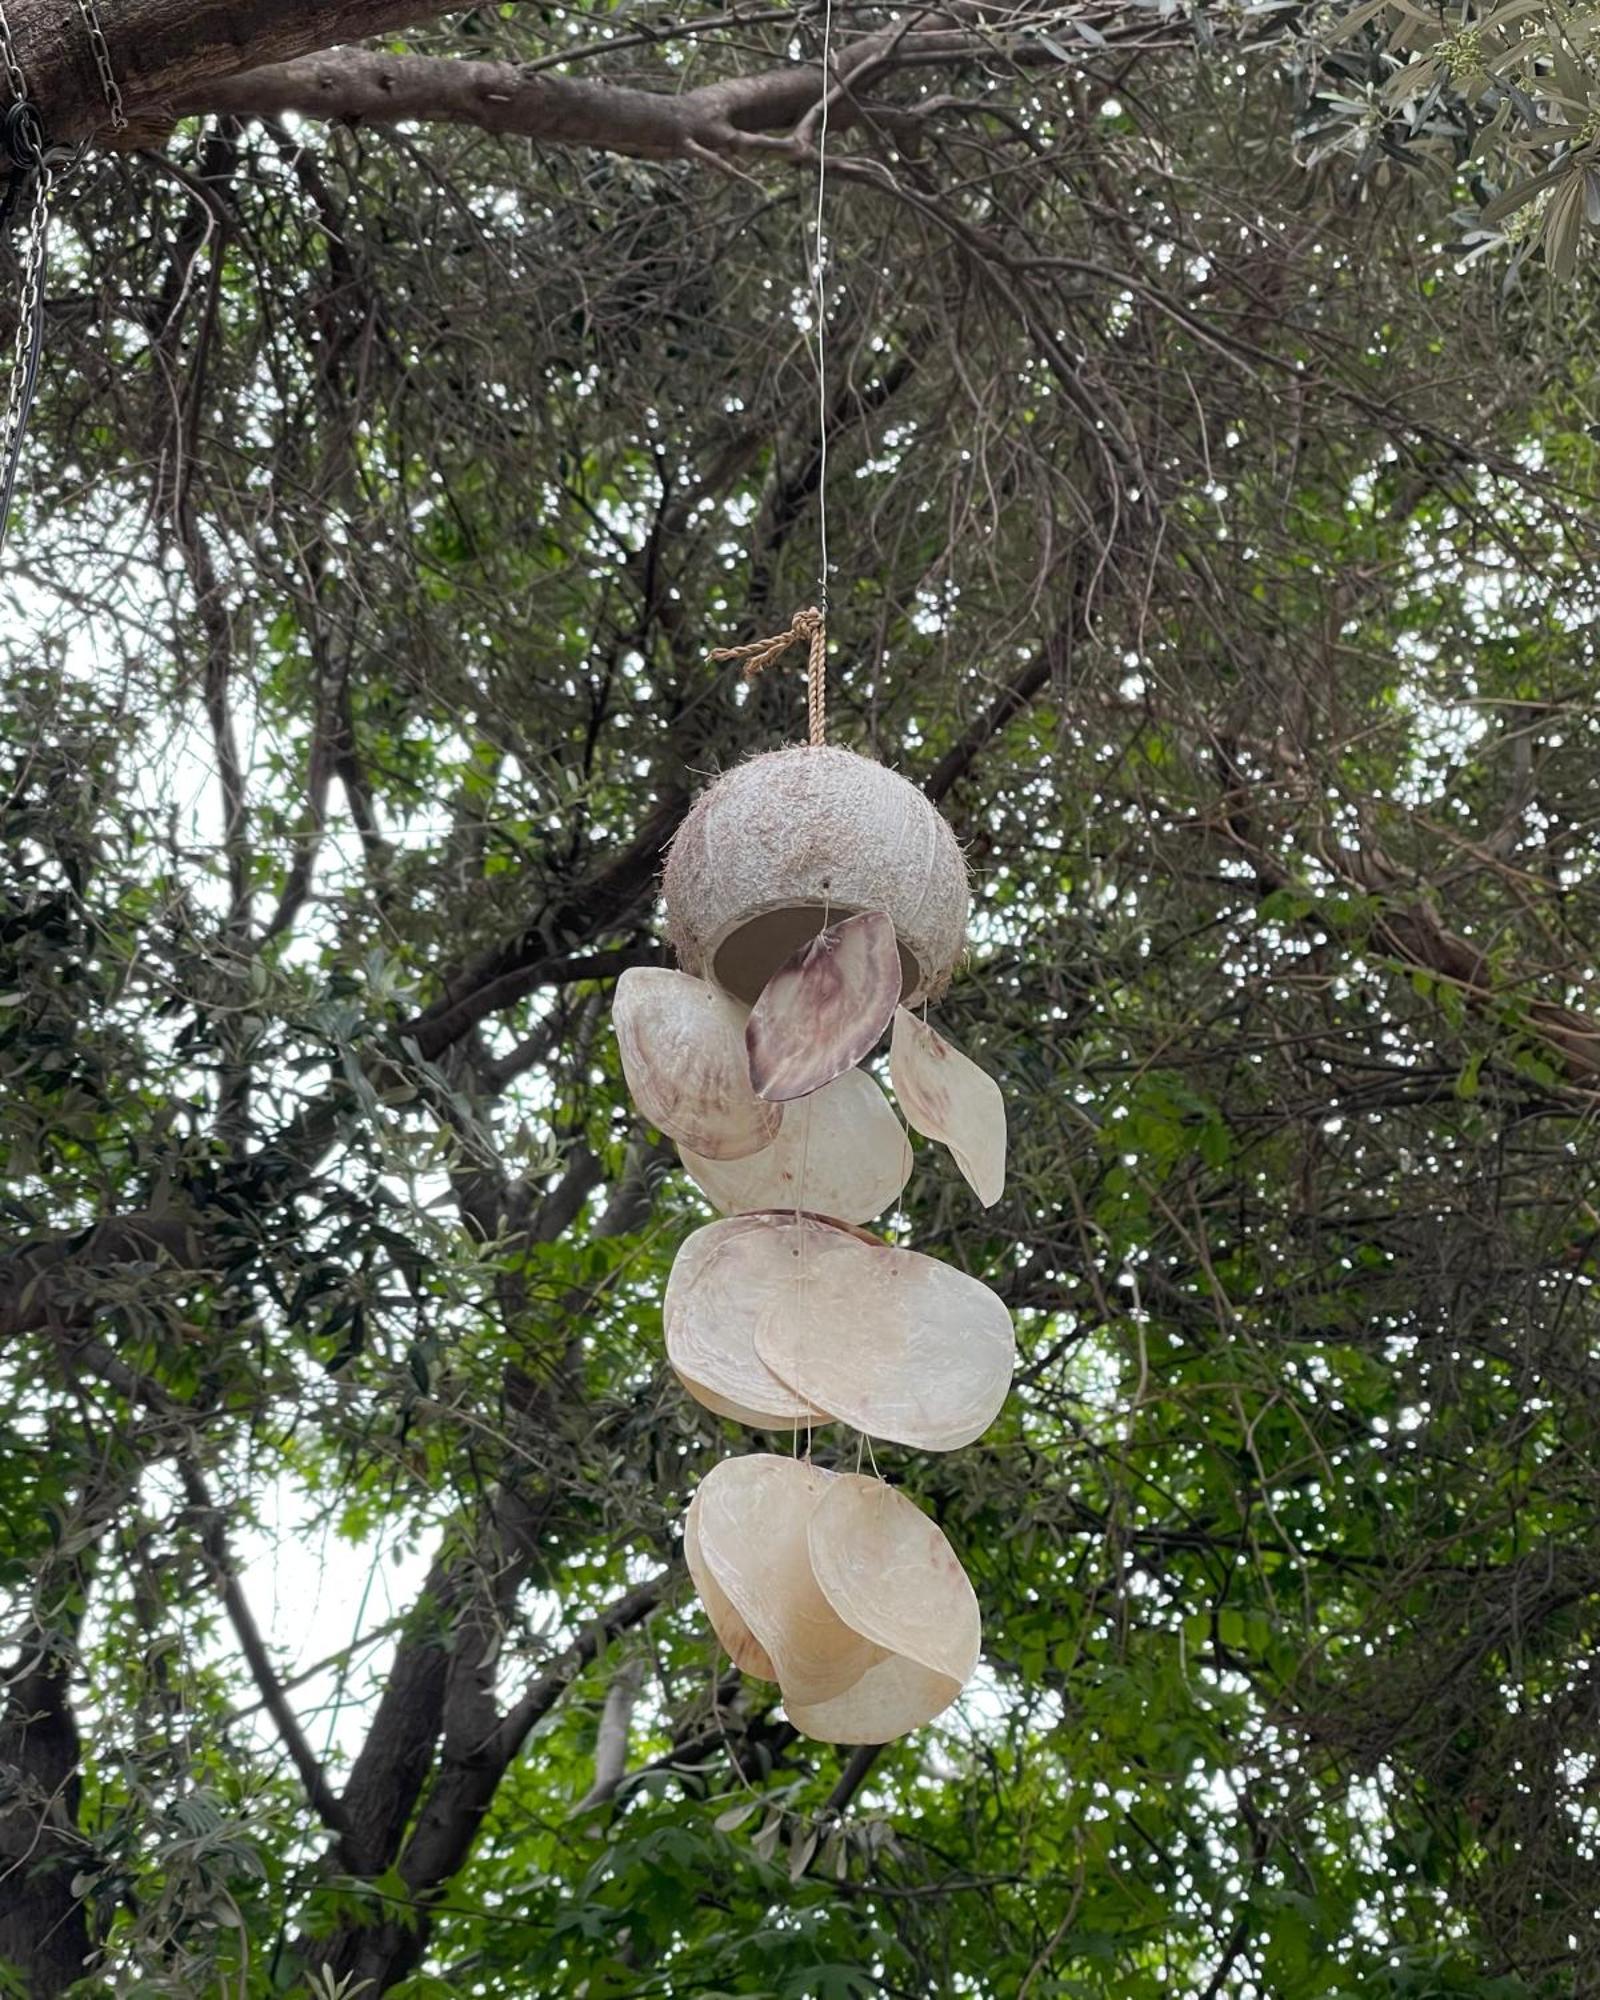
806, 627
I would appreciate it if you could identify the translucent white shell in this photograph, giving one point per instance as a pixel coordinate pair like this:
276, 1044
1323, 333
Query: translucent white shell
684, 1058
945, 1096
837, 1587
716, 1290
751, 1516
897, 1344
890, 1700
841, 1152
890, 1574
733, 1634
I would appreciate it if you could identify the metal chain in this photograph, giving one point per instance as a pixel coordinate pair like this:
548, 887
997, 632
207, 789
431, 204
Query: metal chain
28, 344
14, 76
32, 174
102, 62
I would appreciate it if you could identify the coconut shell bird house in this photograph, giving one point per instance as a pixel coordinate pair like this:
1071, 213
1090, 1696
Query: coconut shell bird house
814, 899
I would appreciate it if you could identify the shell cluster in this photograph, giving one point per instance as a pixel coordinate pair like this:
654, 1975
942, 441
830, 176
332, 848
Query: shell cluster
788, 1314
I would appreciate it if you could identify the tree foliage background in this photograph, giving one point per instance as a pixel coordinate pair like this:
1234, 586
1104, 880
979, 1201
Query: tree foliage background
1214, 540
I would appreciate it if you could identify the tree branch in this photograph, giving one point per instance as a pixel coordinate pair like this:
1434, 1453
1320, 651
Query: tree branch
213, 1539
162, 49
734, 116
611, 1736
541, 955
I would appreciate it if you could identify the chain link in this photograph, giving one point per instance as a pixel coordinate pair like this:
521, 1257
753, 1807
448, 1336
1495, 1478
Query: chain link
33, 176
28, 342
14, 76
102, 62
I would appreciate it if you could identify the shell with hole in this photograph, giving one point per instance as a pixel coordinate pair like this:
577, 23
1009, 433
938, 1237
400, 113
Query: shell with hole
796, 839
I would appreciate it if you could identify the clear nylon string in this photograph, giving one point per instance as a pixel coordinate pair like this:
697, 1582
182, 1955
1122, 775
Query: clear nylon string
822, 304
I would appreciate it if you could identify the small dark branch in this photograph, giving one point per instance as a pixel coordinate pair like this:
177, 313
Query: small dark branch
852, 1777
542, 954
357, 790
213, 1539
561, 1207
543, 1695
1012, 699
297, 885
216, 623
434, 1031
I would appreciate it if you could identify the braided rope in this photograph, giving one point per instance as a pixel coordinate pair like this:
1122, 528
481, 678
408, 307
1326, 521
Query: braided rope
808, 626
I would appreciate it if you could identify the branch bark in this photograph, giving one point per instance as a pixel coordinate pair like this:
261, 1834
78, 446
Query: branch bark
463, 1792
163, 50
214, 1541
736, 115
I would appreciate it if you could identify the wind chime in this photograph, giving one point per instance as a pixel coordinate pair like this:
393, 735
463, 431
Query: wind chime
815, 899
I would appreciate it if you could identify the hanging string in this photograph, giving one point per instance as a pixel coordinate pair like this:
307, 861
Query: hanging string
811, 624
820, 266
806, 626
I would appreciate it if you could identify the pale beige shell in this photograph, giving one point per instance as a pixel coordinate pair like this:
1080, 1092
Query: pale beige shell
795, 838
894, 1343
750, 1520
891, 1575
685, 1063
715, 1293
735, 1637
890, 1700
841, 1152
945, 1096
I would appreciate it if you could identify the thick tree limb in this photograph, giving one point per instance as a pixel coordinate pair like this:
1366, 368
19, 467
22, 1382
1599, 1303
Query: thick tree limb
464, 1790
542, 954
44, 1932
45, 1284
737, 115
163, 49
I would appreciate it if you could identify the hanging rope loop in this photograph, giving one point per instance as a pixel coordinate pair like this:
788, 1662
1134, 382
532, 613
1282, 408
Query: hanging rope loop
806, 628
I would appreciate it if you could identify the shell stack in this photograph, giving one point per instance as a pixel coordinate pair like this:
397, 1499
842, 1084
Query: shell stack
813, 898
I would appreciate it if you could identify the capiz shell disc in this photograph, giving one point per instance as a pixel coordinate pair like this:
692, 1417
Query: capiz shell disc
683, 1054
890, 1700
841, 1152
897, 1344
890, 1574
824, 1008
737, 1640
718, 1286
945, 1096
751, 1516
